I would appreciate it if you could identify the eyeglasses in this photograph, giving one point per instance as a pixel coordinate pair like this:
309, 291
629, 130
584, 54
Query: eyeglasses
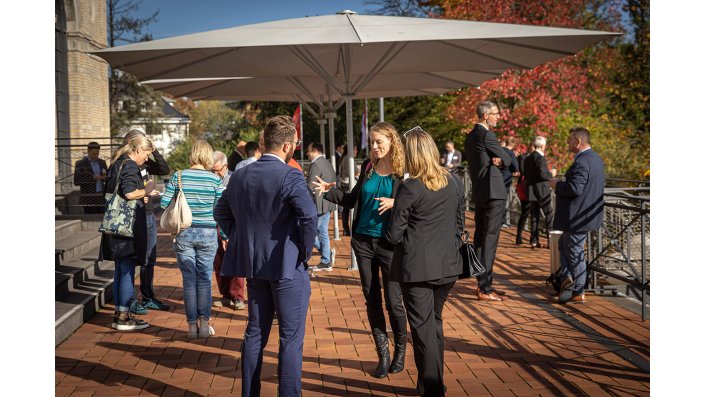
218, 170
297, 143
415, 129
494, 114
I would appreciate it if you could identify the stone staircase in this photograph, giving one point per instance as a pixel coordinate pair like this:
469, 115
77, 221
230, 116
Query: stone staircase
82, 283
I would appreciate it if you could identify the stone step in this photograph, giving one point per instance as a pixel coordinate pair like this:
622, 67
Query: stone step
81, 290
69, 274
66, 228
75, 245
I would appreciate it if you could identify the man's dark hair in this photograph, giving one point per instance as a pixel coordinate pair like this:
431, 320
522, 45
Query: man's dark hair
484, 108
93, 145
582, 133
511, 141
278, 131
451, 142
251, 148
317, 147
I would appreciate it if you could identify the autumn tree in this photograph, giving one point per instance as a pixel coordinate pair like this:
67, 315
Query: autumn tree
129, 100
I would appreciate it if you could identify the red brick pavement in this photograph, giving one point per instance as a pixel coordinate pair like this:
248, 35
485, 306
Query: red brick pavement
525, 346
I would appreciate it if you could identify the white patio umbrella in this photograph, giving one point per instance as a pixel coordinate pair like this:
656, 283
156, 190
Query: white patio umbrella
347, 51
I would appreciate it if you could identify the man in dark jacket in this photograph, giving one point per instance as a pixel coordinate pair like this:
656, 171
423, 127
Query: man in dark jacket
507, 172
538, 188
322, 168
451, 158
579, 209
485, 157
90, 174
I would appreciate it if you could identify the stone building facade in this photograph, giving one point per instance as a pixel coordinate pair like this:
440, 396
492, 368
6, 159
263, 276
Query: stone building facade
82, 103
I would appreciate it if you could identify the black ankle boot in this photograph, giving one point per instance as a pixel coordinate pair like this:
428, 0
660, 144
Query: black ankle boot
382, 346
399, 354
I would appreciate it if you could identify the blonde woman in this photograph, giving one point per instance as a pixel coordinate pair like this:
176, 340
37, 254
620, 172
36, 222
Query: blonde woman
373, 198
195, 247
425, 224
127, 252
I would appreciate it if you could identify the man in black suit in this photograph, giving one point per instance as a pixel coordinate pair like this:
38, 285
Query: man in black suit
338, 157
90, 174
523, 196
322, 168
485, 157
579, 209
538, 188
451, 158
507, 173
237, 155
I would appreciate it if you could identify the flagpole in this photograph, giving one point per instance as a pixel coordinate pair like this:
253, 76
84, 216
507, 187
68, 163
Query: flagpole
301, 128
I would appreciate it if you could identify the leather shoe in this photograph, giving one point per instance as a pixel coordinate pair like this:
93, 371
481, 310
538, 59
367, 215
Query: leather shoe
496, 291
489, 297
535, 245
574, 299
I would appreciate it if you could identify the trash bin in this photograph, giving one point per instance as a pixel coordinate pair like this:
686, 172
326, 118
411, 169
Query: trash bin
553, 238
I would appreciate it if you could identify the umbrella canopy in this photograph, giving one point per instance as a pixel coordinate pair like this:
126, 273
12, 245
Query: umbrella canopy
348, 44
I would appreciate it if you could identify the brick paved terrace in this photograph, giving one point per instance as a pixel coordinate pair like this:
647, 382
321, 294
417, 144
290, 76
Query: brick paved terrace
525, 346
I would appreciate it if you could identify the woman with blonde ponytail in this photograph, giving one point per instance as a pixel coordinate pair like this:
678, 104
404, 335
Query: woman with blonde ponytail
127, 252
427, 217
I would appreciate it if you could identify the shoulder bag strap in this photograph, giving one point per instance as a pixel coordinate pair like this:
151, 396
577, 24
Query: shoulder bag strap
117, 178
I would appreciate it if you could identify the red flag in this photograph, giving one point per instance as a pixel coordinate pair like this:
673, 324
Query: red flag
297, 122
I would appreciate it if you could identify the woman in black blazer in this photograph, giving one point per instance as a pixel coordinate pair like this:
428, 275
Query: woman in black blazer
373, 198
426, 218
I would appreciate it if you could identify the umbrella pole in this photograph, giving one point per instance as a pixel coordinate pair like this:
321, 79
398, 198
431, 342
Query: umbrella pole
351, 160
331, 139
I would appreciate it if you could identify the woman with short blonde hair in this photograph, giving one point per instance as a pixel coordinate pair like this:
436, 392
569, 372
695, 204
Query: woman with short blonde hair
196, 246
426, 221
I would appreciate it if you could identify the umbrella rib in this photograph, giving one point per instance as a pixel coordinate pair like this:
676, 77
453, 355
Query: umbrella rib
354, 28
156, 58
380, 66
299, 85
485, 55
533, 47
316, 67
197, 61
187, 93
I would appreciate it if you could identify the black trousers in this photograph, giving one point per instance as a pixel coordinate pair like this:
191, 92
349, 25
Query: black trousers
488, 223
373, 255
424, 304
547, 208
525, 205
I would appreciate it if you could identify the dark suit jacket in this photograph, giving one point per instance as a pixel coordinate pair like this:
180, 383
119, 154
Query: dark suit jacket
234, 158
322, 168
338, 158
457, 158
509, 168
538, 177
425, 226
579, 199
83, 178
354, 198
487, 181
270, 220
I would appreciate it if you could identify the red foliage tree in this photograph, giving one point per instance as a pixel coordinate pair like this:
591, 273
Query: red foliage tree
531, 100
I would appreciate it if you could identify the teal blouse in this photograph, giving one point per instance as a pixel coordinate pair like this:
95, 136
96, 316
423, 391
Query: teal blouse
369, 221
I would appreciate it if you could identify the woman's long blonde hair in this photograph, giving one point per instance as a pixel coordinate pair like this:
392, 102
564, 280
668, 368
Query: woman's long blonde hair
130, 146
396, 149
422, 160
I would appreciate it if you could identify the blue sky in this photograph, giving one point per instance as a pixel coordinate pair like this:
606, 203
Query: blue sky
177, 17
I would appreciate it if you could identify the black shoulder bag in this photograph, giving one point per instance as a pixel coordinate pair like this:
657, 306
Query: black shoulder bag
471, 263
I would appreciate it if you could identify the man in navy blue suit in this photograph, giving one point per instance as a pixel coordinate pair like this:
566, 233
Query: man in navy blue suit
579, 209
270, 219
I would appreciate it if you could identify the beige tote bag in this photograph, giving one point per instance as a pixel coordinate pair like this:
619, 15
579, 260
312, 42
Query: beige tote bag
177, 216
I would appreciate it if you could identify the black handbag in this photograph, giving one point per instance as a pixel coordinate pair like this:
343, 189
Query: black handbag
471, 263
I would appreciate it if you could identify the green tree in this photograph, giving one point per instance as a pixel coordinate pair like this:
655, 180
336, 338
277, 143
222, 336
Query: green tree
129, 100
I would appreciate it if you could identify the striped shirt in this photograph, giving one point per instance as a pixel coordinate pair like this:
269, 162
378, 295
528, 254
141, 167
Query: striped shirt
202, 189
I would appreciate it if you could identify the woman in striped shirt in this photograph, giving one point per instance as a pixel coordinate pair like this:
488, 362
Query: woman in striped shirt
195, 247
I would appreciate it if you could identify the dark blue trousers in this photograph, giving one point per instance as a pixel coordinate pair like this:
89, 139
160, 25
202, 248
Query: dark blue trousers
571, 246
290, 300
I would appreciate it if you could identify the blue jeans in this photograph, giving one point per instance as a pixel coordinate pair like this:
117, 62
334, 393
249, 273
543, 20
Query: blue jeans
572, 249
124, 283
195, 249
147, 271
322, 242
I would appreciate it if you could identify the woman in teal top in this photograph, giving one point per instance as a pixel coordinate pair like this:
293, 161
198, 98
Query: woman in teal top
373, 197
195, 247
